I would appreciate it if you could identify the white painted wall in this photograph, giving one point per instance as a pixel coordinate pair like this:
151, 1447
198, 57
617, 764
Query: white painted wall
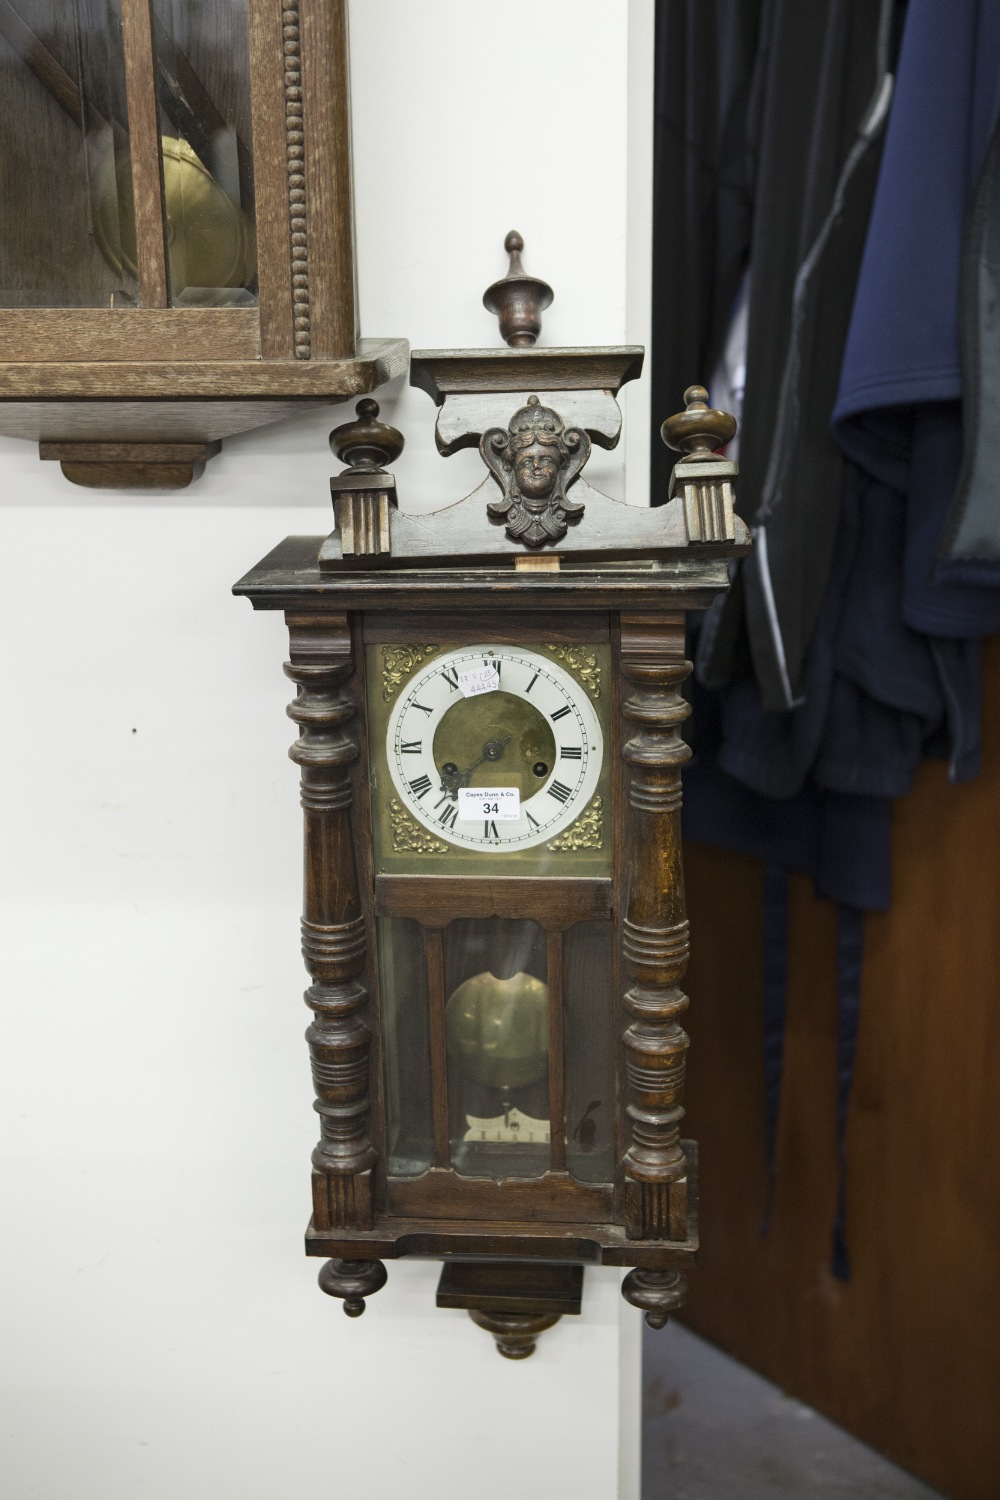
161, 1334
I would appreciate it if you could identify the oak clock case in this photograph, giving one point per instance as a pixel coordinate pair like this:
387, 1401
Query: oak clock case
176, 237
490, 706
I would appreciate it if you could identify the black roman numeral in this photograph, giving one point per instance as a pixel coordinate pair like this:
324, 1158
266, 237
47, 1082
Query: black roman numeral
411, 747
490, 830
421, 786
533, 821
423, 709
447, 818
494, 662
531, 683
558, 791
571, 752
450, 676
560, 713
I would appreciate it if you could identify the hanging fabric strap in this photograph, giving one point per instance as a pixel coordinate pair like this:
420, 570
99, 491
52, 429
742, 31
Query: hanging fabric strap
775, 936
850, 952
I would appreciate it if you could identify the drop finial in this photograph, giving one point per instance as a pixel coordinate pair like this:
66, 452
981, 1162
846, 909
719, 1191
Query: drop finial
518, 299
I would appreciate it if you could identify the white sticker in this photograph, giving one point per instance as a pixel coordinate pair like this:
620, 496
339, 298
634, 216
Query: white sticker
484, 679
509, 1128
479, 803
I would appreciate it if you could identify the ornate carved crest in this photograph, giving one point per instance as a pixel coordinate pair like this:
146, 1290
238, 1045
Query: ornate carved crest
534, 462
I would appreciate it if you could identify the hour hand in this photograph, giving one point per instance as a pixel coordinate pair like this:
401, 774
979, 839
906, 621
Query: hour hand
452, 778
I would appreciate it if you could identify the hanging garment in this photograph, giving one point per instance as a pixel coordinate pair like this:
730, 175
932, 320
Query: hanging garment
892, 672
970, 551
702, 194
820, 94
897, 412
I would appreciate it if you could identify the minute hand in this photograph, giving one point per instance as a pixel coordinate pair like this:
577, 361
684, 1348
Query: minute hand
451, 780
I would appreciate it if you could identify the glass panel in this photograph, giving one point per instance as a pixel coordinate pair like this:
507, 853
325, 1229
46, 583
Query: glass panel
65, 176
203, 83
496, 1020
405, 1045
495, 1000
588, 1043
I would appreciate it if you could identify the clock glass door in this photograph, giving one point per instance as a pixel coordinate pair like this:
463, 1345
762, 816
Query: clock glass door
497, 1045
490, 796
206, 151
65, 163
75, 77
497, 1023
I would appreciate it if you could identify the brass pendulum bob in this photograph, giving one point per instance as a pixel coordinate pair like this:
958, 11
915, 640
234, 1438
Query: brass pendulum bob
211, 245
498, 1030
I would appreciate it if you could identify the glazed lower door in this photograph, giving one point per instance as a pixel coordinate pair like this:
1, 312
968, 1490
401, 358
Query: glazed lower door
498, 1063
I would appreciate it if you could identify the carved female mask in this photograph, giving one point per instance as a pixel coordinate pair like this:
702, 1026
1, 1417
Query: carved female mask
534, 462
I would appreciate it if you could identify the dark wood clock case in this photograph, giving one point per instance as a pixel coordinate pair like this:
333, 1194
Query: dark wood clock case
585, 575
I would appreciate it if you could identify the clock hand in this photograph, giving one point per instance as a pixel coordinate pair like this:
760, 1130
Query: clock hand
452, 778
493, 749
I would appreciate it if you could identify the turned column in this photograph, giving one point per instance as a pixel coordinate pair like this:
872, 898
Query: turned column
334, 944
655, 949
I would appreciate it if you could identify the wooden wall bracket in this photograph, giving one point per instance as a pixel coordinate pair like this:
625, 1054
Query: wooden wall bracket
131, 466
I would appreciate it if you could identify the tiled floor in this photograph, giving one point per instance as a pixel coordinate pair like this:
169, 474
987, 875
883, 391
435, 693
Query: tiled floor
713, 1430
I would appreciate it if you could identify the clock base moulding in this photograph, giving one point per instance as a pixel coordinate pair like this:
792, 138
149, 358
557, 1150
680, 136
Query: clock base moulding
535, 1285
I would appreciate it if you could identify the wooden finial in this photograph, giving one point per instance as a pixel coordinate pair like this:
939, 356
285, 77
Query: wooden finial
698, 431
366, 443
364, 494
518, 299
513, 245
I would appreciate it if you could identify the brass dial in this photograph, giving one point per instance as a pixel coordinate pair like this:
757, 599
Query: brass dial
531, 734
494, 739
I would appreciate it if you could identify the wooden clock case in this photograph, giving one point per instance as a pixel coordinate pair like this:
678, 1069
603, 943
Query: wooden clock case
616, 577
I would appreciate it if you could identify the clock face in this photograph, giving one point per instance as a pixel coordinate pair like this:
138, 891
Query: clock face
500, 719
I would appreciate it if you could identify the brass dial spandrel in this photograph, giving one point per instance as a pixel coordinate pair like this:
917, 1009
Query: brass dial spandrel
399, 664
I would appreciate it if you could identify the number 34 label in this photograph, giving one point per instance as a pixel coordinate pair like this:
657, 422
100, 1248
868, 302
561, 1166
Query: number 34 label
480, 803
